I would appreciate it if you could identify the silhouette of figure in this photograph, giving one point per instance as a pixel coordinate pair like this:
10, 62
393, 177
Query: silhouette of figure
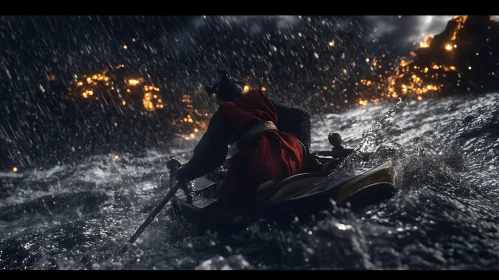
265, 152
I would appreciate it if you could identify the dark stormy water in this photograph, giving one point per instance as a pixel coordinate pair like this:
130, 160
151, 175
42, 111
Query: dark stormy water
444, 216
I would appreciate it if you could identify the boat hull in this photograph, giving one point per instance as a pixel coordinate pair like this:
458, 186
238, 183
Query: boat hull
304, 195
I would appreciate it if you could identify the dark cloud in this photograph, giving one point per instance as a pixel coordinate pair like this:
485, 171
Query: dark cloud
251, 24
406, 30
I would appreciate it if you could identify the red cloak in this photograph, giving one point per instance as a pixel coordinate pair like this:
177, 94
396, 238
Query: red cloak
273, 155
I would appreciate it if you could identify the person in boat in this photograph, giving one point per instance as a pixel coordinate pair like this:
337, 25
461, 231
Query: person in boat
264, 151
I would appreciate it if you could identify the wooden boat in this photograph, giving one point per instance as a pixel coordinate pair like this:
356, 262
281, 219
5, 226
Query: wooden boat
301, 194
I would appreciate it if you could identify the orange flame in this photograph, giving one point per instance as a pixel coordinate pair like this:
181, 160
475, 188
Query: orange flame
426, 42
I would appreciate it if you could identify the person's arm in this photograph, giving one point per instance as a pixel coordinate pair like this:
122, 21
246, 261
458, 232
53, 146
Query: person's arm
210, 152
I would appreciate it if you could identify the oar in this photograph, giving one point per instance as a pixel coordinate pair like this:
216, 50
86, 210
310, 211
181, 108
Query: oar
152, 216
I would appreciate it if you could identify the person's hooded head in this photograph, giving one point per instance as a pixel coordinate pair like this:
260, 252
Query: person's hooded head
228, 88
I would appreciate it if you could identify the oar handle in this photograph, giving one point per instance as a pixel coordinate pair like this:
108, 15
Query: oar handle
153, 215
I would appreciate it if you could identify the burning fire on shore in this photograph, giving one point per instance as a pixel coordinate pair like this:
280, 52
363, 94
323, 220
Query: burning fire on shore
135, 93
102, 85
407, 77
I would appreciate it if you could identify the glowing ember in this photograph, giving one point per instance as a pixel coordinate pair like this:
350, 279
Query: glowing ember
134, 82
363, 102
148, 104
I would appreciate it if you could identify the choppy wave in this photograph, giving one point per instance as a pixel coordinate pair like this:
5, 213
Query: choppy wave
445, 215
